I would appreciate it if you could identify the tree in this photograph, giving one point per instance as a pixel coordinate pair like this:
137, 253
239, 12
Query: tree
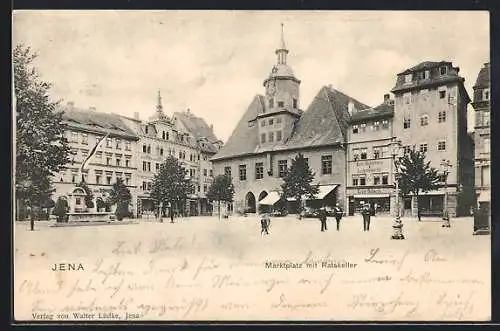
61, 209
170, 185
415, 175
41, 148
222, 189
120, 195
89, 196
297, 181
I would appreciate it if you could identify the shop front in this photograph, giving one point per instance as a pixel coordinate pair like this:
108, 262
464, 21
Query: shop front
379, 199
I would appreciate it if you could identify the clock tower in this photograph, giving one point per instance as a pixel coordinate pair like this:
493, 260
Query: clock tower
282, 87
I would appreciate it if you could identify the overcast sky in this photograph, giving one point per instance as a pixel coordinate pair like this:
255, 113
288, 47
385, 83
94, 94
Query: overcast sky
214, 62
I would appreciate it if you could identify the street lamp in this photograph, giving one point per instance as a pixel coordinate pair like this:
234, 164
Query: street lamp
397, 226
445, 166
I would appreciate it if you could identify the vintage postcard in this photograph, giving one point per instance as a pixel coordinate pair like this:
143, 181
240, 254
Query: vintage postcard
251, 165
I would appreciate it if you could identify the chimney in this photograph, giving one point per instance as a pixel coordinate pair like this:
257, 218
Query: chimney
387, 98
136, 115
350, 107
71, 104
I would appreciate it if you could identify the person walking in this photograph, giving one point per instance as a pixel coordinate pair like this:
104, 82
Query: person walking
338, 215
322, 218
366, 212
265, 222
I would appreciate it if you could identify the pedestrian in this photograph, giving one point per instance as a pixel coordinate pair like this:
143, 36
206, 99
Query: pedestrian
265, 222
338, 215
419, 215
171, 215
322, 218
366, 212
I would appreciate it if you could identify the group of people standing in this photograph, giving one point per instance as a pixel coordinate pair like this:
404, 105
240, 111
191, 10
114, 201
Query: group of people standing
366, 211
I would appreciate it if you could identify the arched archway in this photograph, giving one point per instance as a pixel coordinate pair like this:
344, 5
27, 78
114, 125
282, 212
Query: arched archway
262, 196
250, 203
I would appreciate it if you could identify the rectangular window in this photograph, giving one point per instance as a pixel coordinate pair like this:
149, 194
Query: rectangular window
157, 166
128, 179
259, 170
486, 145
204, 188
108, 180
485, 176
118, 162
376, 126
385, 124
271, 103
73, 178
149, 149
376, 152
442, 94
98, 179
127, 146
278, 120
364, 153
271, 137
408, 78
263, 138
355, 154
376, 180
161, 151
144, 166
211, 173
407, 149
441, 117
362, 127
294, 103
443, 70
205, 172
326, 164
271, 121
281, 104
278, 135
424, 120
362, 181
227, 171
149, 186
144, 148
406, 123
109, 142
282, 168
85, 139
127, 163
423, 148
407, 98
74, 137
243, 171
108, 161
385, 151
98, 155
385, 179
441, 145
486, 94
118, 144
354, 129
149, 166
355, 182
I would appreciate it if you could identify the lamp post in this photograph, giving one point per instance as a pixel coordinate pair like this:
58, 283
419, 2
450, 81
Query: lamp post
397, 226
445, 166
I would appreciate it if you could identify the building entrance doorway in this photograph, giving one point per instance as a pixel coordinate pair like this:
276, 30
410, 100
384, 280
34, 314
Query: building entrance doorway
250, 203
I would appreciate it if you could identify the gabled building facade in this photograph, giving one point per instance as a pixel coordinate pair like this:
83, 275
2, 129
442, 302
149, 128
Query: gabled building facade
370, 171
431, 115
274, 129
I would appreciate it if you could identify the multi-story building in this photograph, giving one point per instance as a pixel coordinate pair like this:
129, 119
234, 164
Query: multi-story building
431, 116
162, 136
482, 131
369, 162
274, 130
115, 158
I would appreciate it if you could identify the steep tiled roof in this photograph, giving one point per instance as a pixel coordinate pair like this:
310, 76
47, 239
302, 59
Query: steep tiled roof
382, 110
98, 122
483, 78
323, 123
199, 129
424, 66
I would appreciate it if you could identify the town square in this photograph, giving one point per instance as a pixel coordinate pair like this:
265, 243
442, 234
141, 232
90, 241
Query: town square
251, 166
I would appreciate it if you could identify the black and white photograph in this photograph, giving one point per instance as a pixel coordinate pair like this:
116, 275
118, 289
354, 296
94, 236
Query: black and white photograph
176, 165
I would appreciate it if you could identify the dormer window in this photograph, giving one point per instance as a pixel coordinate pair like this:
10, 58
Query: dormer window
486, 94
281, 104
424, 74
146, 129
408, 78
354, 129
271, 103
443, 70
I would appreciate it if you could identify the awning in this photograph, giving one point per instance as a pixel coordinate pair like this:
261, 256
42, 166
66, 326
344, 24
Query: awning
270, 199
324, 190
368, 196
484, 196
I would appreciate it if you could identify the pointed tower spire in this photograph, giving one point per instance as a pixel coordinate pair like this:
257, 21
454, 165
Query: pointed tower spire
282, 51
159, 106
